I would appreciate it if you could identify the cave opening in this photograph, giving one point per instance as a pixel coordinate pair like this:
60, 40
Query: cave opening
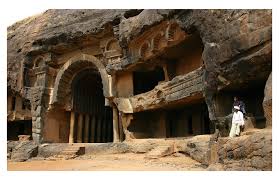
92, 115
145, 80
182, 121
184, 57
189, 120
252, 94
19, 127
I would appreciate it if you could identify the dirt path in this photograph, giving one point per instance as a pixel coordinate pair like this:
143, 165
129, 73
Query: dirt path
110, 162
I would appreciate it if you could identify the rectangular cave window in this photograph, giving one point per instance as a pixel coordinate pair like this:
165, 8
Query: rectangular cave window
19, 127
144, 81
188, 120
172, 123
184, 57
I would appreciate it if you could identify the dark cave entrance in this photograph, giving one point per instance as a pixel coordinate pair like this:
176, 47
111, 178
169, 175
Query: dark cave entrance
92, 116
19, 127
182, 121
251, 94
146, 80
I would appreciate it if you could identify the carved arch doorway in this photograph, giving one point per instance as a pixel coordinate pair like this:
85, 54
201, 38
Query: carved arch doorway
91, 119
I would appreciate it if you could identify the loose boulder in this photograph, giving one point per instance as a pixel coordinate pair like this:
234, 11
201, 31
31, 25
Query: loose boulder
24, 151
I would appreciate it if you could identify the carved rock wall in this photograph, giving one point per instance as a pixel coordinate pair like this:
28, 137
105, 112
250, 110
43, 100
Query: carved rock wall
248, 152
187, 87
237, 46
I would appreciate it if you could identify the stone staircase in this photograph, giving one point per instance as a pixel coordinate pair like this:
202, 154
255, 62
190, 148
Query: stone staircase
160, 151
70, 152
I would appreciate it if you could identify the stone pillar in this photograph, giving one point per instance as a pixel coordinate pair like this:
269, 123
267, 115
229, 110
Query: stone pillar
18, 104
39, 103
9, 103
115, 125
99, 130
79, 130
121, 131
162, 126
86, 128
126, 120
166, 72
196, 122
93, 122
104, 138
72, 127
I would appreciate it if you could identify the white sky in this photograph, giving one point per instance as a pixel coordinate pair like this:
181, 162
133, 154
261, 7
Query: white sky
19, 15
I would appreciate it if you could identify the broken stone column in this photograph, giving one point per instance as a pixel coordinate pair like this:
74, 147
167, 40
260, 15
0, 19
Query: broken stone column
24, 137
126, 121
267, 102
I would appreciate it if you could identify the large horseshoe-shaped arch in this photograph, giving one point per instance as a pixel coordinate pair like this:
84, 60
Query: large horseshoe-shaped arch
66, 74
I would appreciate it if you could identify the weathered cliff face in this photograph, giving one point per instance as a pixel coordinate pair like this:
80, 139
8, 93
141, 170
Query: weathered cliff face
55, 31
233, 39
245, 153
237, 47
236, 43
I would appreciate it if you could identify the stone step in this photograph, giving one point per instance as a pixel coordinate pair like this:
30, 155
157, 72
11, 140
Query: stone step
69, 152
62, 157
160, 151
72, 148
77, 150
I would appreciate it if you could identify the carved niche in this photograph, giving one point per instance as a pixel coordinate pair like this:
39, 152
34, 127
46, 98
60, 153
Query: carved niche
36, 72
112, 51
153, 41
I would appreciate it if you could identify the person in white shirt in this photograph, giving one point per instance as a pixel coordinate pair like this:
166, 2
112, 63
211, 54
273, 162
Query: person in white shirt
237, 121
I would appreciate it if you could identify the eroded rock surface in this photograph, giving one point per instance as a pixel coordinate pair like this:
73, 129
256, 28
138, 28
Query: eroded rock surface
24, 150
196, 147
248, 152
236, 52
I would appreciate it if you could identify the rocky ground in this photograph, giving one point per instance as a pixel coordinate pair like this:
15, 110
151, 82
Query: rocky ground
111, 162
251, 151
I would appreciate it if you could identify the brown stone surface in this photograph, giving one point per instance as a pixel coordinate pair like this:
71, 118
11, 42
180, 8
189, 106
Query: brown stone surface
267, 102
73, 25
203, 54
53, 30
23, 151
182, 88
247, 152
232, 40
251, 151
24, 137
196, 147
